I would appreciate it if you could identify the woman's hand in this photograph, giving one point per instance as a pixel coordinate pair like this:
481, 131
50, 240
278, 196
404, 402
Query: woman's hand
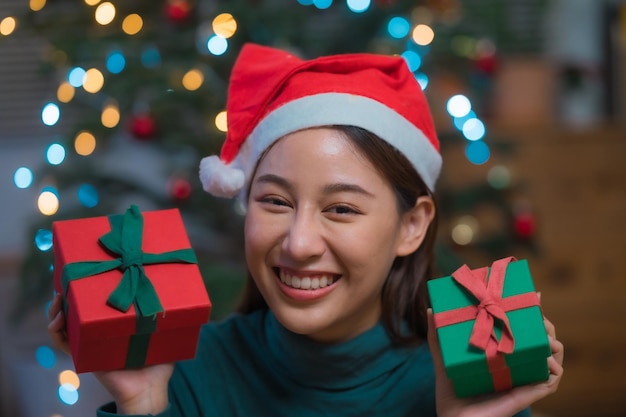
135, 391
502, 404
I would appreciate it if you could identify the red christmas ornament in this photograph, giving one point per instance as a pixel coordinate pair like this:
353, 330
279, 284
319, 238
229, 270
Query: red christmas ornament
180, 189
143, 126
487, 64
524, 225
177, 10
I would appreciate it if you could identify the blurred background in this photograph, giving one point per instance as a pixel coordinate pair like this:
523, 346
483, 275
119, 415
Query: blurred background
108, 103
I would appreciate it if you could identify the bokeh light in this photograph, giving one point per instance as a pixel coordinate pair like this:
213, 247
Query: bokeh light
306, 2
460, 121
412, 59
76, 77
115, 62
69, 377
94, 80
423, 35
55, 154
224, 25
105, 13
132, 24
43, 240
68, 394
50, 114
193, 79
398, 27
422, 79
84, 143
36, 5
88, 195
48, 203
110, 115
322, 4
23, 177
65, 92
458, 105
477, 152
91, 2
465, 230
473, 129
221, 121
358, 6
7, 25
217, 45
151, 57
45, 357
499, 177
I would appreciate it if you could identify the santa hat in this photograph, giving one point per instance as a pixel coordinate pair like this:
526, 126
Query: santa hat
273, 93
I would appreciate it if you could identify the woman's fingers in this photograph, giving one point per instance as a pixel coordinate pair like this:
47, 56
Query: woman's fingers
56, 326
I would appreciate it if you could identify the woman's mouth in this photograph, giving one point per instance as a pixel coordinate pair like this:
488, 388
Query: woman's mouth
306, 282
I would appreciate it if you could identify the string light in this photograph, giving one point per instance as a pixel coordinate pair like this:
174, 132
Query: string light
23, 177
91, 2
76, 77
7, 25
132, 24
422, 79
322, 4
36, 5
193, 79
412, 59
460, 121
473, 129
48, 203
458, 105
45, 357
221, 121
94, 81
50, 114
105, 13
43, 241
465, 230
499, 177
477, 152
423, 35
150, 57
55, 154
88, 196
69, 377
224, 25
68, 394
398, 27
65, 92
84, 143
115, 62
358, 6
217, 45
110, 115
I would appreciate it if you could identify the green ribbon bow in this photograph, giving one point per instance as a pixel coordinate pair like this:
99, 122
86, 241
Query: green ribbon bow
125, 240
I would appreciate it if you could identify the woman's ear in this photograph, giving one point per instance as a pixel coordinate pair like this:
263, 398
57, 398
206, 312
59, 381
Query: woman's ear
415, 224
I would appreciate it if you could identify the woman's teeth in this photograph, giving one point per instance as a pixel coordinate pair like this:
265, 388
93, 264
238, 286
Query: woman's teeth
306, 283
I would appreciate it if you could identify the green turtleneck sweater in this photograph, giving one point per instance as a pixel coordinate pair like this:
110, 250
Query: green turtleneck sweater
250, 365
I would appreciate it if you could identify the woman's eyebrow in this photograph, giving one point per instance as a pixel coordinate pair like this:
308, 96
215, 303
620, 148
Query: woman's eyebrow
339, 187
275, 179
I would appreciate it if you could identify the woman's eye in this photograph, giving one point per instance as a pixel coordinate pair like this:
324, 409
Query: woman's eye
274, 201
342, 210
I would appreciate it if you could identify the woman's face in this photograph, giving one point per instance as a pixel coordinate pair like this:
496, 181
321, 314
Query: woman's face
322, 231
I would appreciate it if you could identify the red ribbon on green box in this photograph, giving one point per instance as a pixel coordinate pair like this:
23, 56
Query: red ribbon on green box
486, 286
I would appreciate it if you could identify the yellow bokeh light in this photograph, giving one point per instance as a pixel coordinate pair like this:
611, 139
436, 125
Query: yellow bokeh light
48, 203
91, 2
69, 377
110, 116
193, 79
94, 80
462, 234
423, 35
65, 92
224, 25
221, 121
105, 13
132, 24
85, 143
36, 5
7, 25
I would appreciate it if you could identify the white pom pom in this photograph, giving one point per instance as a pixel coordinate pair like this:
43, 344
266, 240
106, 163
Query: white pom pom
219, 179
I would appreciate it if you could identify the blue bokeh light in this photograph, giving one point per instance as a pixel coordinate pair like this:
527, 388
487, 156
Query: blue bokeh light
358, 6
116, 62
151, 57
460, 121
458, 105
322, 4
306, 2
217, 45
88, 195
477, 152
45, 357
50, 114
23, 177
68, 394
422, 79
474, 129
398, 27
76, 77
43, 240
412, 59
55, 154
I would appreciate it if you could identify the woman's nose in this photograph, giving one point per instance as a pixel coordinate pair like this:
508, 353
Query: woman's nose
304, 239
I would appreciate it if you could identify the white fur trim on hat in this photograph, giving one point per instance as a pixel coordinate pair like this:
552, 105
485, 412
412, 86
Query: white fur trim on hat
220, 179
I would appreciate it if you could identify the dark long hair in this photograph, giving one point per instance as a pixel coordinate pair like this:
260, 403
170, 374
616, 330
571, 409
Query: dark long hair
403, 298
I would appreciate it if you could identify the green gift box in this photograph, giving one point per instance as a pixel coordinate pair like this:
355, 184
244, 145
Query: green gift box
490, 328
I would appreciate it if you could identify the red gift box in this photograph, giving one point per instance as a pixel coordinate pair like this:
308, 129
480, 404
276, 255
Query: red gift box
101, 336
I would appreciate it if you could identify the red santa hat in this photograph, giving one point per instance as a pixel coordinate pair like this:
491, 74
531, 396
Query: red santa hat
273, 93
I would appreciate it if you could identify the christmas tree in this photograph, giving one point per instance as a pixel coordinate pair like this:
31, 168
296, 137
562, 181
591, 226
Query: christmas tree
141, 98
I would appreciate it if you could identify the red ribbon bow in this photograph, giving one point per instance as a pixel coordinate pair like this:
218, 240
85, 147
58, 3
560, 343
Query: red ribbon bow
491, 306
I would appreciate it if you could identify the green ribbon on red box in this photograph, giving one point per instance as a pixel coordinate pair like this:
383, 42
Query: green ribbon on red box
487, 287
125, 240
